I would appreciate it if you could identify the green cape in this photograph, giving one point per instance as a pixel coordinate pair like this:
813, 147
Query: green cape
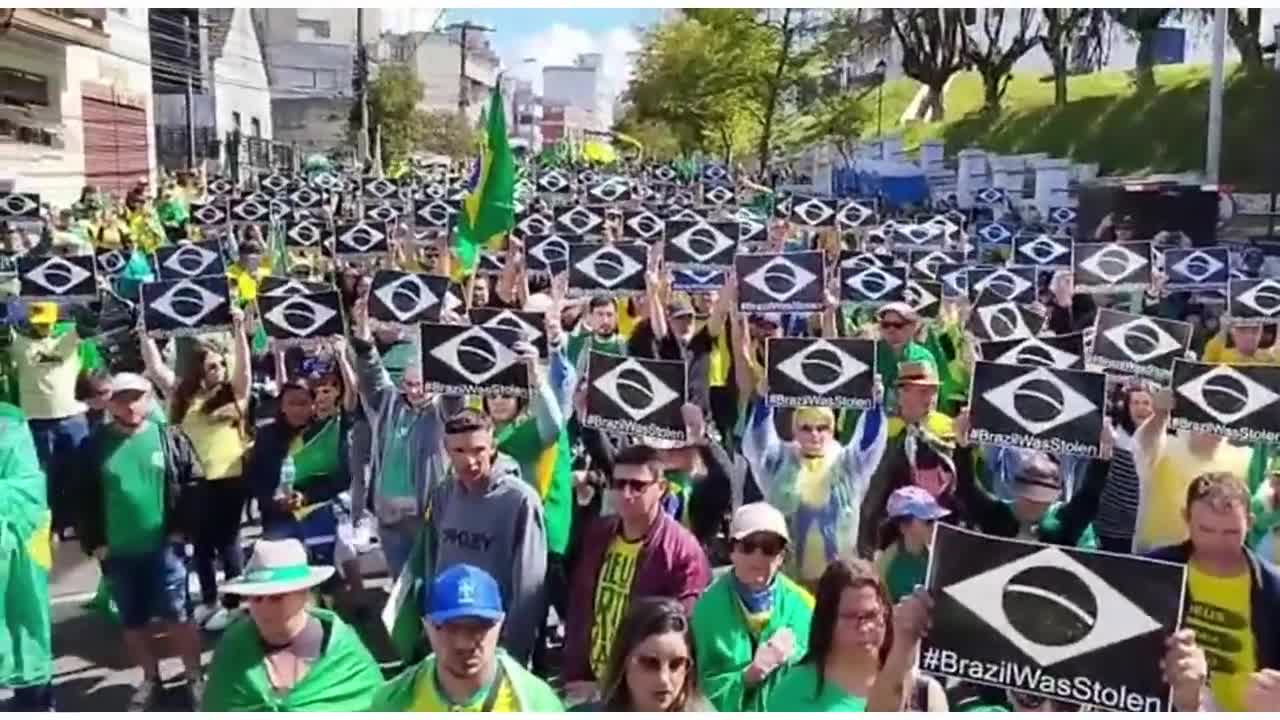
318, 457
532, 693
342, 680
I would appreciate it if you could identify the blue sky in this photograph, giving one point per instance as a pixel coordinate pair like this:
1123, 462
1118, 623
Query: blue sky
555, 36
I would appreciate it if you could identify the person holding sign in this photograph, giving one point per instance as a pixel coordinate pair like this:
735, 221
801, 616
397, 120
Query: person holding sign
1245, 337
753, 621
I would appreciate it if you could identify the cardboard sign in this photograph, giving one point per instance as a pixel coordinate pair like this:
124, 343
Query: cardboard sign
817, 372
1038, 408
1138, 345
473, 360
1241, 402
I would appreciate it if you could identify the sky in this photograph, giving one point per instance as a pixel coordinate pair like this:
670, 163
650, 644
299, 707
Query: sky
548, 35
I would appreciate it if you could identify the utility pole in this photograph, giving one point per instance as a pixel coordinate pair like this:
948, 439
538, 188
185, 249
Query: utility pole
362, 97
463, 96
190, 99
1213, 159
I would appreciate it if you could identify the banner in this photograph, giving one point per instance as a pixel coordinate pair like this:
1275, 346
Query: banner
1197, 269
1250, 299
819, 372
471, 360
402, 298
362, 240
1241, 402
1007, 284
1038, 408
781, 282
873, 286
299, 319
529, 325
57, 278
1105, 268
190, 260
1138, 345
1065, 352
1079, 627
607, 270
700, 245
187, 306
635, 396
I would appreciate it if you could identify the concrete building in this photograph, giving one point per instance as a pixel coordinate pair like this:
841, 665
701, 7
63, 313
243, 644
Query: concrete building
75, 100
526, 114
310, 56
579, 89
436, 57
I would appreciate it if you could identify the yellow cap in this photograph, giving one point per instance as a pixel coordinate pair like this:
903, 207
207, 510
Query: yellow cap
42, 313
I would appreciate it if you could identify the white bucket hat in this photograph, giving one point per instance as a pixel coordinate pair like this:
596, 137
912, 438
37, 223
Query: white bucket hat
277, 567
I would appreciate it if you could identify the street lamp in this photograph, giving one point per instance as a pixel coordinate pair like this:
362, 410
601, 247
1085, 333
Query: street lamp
882, 67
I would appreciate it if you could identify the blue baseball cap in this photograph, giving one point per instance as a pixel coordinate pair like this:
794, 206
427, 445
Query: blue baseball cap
915, 502
463, 591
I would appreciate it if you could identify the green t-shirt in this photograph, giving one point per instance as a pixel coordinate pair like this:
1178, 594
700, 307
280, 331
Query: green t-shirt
906, 571
133, 490
797, 691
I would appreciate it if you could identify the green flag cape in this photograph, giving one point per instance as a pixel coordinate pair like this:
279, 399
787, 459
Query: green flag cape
343, 679
318, 456
26, 648
488, 212
402, 615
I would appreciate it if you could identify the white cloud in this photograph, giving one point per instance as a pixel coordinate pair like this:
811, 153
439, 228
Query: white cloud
561, 44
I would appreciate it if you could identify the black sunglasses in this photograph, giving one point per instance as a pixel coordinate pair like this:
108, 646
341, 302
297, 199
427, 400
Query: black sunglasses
771, 546
636, 486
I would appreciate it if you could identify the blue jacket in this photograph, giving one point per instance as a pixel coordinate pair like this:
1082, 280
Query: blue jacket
1264, 600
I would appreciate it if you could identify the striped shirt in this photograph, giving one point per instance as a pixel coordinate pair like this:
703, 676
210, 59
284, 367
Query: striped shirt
1118, 505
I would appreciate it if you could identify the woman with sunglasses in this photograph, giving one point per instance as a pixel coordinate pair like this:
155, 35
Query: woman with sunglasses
652, 665
861, 649
752, 621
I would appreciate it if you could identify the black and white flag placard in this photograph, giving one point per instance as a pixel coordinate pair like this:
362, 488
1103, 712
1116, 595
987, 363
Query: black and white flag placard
57, 278
993, 319
473, 360
642, 225
1197, 269
529, 325
700, 245
580, 220
299, 319
1240, 402
20, 207
1104, 268
636, 396
308, 233
110, 262
190, 260
546, 254
1038, 408
780, 282
820, 372
362, 239
1138, 345
1010, 284
698, 280
1079, 627
924, 264
813, 211
287, 287
402, 298
186, 306
607, 270
924, 297
1065, 352
1041, 250
955, 280
1254, 299
873, 285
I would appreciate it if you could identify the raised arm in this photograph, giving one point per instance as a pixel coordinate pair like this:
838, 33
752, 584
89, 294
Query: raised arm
762, 447
157, 369
350, 383
242, 372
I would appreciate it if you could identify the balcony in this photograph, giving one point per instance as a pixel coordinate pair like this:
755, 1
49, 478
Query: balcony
73, 26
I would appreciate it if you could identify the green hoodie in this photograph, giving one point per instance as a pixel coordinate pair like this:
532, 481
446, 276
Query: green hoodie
532, 694
341, 680
726, 645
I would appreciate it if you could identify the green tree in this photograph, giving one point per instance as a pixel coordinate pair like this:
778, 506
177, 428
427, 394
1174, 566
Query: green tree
839, 120
445, 132
994, 52
1061, 27
933, 43
394, 116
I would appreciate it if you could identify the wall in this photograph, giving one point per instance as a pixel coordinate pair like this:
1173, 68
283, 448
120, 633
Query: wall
241, 79
315, 124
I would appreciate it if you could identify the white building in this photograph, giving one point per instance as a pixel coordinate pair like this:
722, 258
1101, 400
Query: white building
581, 90
436, 57
75, 100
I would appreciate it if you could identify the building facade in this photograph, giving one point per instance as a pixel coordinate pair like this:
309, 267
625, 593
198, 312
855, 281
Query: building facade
581, 90
447, 80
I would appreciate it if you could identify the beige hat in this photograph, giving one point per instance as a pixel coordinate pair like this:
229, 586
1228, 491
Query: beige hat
277, 567
758, 517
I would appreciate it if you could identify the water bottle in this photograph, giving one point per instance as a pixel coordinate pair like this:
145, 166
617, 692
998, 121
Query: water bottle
287, 476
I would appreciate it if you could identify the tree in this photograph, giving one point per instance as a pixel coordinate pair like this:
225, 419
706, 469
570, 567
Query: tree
1143, 23
655, 136
445, 132
1245, 28
992, 58
933, 49
394, 116
1061, 27
838, 120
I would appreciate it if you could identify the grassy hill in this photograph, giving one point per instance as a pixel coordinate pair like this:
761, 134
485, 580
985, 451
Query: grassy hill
1105, 122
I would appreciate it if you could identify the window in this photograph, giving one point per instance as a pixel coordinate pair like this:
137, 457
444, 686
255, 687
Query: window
235, 120
18, 87
255, 127
313, 29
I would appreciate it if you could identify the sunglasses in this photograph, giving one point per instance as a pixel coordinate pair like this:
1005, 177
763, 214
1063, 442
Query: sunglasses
652, 664
635, 486
1027, 700
772, 546
894, 324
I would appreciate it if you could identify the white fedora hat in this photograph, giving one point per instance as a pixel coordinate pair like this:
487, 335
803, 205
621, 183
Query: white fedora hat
277, 567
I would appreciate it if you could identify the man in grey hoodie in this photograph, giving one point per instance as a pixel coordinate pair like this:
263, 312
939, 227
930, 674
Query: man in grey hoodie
485, 515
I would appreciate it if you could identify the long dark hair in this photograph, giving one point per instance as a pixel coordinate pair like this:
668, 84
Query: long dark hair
645, 618
839, 576
190, 383
1121, 416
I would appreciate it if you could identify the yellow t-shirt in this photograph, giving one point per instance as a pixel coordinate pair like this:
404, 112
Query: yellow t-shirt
245, 284
613, 587
1165, 479
1216, 351
47, 369
217, 438
720, 360
627, 321
427, 698
1220, 615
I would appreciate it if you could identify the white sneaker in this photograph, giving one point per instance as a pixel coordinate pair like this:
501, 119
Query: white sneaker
221, 619
202, 613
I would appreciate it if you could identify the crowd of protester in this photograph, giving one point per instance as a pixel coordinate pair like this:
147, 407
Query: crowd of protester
773, 560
